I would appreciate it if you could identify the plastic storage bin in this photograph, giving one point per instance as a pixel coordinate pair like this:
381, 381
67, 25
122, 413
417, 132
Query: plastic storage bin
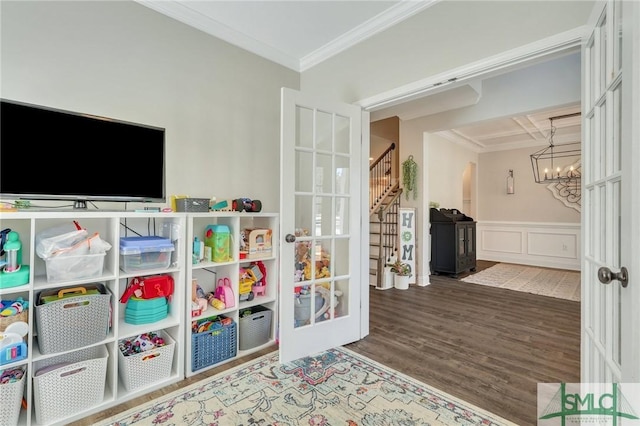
11, 399
145, 253
214, 345
70, 383
143, 368
73, 321
66, 268
255, 327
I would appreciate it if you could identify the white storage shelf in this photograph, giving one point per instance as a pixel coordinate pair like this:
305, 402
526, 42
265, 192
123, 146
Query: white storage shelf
207, 274
110, 226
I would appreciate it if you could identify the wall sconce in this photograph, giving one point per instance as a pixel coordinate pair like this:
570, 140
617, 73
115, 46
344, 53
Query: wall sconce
510, 188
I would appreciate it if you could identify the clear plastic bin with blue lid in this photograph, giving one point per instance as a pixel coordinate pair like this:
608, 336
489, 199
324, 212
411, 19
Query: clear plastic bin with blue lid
145, 253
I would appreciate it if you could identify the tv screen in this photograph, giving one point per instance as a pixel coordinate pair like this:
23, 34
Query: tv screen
52, 154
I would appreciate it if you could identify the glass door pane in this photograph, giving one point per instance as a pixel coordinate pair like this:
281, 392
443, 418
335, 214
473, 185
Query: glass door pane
322, 219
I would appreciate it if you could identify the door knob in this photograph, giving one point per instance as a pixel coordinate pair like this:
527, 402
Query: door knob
290, 238
606, 276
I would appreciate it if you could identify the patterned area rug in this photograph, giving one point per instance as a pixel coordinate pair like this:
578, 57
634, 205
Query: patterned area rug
337, 387
557, 283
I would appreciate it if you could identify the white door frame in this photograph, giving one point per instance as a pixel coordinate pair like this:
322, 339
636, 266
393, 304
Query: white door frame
631, 158
560, 44
555, 46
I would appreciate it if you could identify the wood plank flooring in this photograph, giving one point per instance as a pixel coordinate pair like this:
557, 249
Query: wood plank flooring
485, 345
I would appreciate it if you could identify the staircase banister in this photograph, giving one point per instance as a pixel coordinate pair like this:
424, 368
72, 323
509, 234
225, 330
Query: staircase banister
379, 159
385, 207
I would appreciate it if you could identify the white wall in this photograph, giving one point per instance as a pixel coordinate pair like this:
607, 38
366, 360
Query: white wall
220, 105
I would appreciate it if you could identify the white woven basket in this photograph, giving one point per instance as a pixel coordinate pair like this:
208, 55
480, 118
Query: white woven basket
72, 323
11, 401
74, 387
147, 367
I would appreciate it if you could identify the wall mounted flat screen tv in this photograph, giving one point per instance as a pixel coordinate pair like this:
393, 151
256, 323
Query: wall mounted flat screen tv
53, 154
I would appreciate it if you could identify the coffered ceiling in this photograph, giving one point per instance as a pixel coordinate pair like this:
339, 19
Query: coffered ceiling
531, 130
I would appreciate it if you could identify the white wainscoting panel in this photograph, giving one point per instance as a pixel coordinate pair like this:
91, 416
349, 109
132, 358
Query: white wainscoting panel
550, 245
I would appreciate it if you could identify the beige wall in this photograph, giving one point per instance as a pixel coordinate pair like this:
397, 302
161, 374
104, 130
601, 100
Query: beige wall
447, 164
220, 105
532, 202
447, 35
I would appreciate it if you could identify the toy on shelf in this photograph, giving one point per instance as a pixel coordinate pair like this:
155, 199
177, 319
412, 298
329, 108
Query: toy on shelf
224, 293
199, 251
247, 280
199, 302
247, 205
9, 308
255, 243
12, 272
260, 272
218, 239
238, 205
216, 303
14, 326
142, 343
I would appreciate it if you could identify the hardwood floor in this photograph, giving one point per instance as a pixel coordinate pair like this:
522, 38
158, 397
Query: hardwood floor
487, 346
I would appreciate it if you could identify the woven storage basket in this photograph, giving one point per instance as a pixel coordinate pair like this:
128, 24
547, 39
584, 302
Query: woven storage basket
76, 386
213, 346
147, 367
6, 321
255, 328
192, 205
11, 401
73, 322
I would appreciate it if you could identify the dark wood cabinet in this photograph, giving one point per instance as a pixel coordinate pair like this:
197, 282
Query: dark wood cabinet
453, 242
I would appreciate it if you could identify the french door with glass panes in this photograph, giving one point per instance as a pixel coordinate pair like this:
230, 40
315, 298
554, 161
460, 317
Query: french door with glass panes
323, 290
611, 195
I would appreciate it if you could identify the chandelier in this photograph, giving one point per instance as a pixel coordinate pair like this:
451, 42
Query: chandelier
559, 165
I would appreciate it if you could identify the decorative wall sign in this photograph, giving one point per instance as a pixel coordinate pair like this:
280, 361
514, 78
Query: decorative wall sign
407, 252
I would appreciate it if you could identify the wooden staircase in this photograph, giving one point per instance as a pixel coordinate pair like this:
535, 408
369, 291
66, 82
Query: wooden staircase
384, 201
383, 235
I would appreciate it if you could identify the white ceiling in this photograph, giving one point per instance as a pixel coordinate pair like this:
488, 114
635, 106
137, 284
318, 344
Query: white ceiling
272, 29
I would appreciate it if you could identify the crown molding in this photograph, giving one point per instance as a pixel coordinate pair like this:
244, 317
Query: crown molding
390, 17
180, 11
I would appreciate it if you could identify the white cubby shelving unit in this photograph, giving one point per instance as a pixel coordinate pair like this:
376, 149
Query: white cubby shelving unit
207, 274
111, 226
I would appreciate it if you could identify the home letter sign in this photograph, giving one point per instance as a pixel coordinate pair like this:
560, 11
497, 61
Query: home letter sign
407, 226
